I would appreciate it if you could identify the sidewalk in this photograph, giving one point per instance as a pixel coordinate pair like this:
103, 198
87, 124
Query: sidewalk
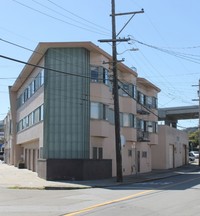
12, 177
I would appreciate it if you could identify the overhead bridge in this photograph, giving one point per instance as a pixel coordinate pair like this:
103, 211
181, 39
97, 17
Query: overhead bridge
171, 115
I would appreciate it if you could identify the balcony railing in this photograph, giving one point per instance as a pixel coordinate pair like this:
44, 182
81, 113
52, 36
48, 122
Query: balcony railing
142, 136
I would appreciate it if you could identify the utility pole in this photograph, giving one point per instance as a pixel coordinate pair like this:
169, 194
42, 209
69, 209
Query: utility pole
116, 99
114, 62
199, 116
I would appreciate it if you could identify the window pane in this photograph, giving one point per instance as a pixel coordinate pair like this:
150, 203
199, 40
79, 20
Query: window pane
111, 116
41, 113
132, 120
30, 119
125, 89
126, 120
150, 127
36, 115
42, 76
133, 91
94, 110
105, 76
94, 74
105, 112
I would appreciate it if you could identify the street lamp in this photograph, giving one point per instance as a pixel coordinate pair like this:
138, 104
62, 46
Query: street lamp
132, 49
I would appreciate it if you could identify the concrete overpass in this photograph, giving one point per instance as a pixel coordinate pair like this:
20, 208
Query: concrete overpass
171, 115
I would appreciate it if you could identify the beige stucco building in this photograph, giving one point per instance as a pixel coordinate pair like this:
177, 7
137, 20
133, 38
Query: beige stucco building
172, 148
62, 108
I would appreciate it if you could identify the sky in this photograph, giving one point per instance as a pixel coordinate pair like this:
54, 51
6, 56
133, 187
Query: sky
166, 36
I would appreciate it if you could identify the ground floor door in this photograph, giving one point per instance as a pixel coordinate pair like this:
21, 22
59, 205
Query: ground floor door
171, 156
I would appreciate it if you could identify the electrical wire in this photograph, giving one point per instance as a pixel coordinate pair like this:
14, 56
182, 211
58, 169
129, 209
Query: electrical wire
94, 26
58, 19
185, 56
38, 66
136, 99
169, 84
33, 51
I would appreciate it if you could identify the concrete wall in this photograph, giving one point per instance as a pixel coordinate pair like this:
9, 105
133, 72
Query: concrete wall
172, 148
75, 169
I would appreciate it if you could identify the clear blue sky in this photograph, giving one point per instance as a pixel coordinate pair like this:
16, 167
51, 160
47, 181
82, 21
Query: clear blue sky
170, 25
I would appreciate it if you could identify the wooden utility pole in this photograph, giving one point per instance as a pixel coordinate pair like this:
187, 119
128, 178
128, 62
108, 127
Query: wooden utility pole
114, 62
116, 99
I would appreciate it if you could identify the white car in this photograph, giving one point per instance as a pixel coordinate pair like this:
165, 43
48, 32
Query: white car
195, 153
191, 157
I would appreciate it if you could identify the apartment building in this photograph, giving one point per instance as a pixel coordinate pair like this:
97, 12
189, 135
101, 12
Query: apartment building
63, 115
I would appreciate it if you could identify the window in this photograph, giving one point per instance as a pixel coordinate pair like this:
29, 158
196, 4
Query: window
129, 152
94, 74
37, 82
144, 154
105, 76
104, 111
140, 124
133, 91
26, 122
149, 102
42, 77
94, 110
97, 153
31, 89
99, 111
41, 113
141, 98
111, 117
126, 120
155, 127
150, 127
36, 116
30, 119
155, 102
132, 120
25, 95
99, 74
125, 89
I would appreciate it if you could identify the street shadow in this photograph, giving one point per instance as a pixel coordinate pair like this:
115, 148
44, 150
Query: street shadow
181, 178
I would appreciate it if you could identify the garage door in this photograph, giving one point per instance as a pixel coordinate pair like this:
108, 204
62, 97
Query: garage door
171, 156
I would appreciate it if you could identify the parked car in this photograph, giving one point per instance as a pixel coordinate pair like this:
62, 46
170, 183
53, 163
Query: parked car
191, 157
195, 153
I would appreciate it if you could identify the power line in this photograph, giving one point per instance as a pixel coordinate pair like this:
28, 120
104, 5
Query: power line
58, 19
26, 63
176, 54
33, 51
78, 16
94, 25
136, 100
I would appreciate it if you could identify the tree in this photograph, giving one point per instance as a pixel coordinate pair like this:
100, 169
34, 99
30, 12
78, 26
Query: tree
194, 138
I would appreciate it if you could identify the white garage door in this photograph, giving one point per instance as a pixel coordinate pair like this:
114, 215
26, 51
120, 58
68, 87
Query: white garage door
171, 156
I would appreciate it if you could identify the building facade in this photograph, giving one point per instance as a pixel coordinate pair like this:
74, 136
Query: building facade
172, 150
62, 108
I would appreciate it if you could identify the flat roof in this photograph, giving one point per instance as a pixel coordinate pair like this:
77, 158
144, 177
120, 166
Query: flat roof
146, 83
